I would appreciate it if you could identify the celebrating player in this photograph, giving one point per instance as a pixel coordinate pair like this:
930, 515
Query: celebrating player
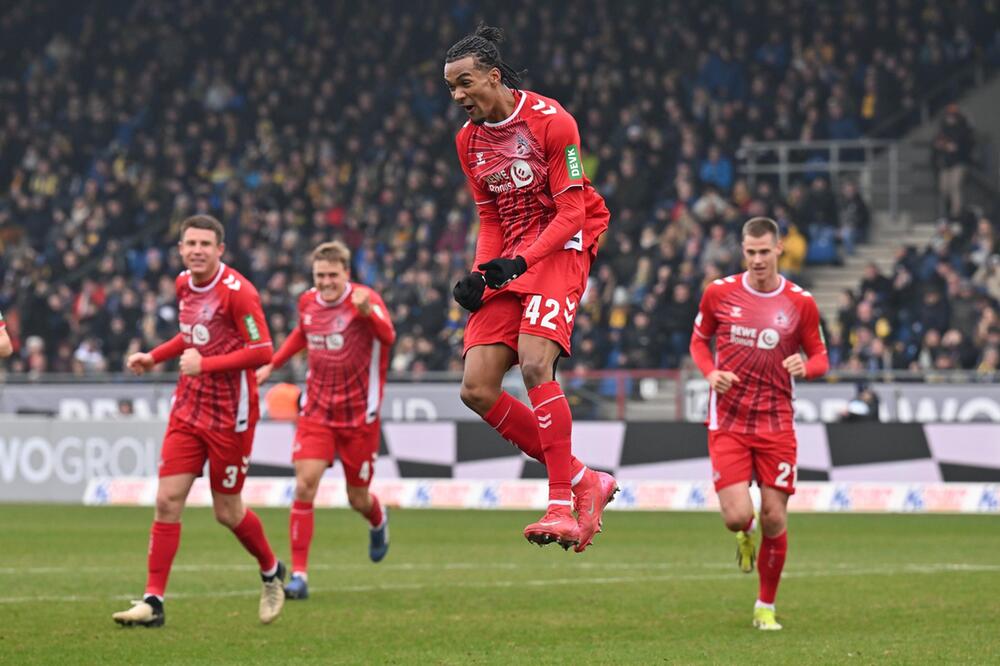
223, 337
540, 221
6, 348
760, 321
347, 330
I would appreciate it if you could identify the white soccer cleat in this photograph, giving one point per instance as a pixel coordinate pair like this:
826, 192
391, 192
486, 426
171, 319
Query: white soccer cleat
272, 596
142, 614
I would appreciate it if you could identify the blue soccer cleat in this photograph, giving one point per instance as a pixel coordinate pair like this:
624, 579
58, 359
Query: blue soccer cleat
297, 588
378, 538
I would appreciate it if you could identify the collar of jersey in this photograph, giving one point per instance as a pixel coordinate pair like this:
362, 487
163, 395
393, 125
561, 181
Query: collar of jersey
765, 294
343, 297
211, 285
517, 110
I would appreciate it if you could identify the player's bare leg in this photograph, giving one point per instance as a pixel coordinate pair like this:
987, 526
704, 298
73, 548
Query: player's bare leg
737, 512
308, 473
230, 511
164, 538
377, 516
537, 357
773, 548
482, 392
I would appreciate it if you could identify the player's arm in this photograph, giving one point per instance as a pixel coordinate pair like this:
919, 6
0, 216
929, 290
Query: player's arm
371, 306
705, 324
817, 362
468, 292
141, 362
6, 347
248, 316
562, 139
293, 344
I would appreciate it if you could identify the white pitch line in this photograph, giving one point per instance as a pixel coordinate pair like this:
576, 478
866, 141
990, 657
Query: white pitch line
886, 570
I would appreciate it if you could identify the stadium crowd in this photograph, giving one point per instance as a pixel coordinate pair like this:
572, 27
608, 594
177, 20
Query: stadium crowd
938, 310
297, 123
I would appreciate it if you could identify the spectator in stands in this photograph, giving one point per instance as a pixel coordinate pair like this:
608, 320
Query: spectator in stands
952, 156
855, 219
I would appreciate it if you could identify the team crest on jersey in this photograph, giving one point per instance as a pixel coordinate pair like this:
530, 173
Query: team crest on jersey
339, 324
780, 319
521, 146
521, 174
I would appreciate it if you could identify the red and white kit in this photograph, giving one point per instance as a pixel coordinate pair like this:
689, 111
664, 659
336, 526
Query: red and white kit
348, 360
214, 413
526, 175
754, 332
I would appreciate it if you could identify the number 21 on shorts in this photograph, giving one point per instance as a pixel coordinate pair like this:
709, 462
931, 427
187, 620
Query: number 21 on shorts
786, 470
534, 311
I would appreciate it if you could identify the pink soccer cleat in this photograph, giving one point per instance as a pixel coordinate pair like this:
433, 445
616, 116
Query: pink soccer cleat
557, 525
591, 495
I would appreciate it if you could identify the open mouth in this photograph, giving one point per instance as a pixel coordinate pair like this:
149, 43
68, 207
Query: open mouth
469, 108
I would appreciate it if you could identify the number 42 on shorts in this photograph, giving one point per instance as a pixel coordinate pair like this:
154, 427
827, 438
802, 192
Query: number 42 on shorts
551, 311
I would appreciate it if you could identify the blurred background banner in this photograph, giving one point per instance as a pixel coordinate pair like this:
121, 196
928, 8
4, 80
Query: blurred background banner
812, 496
53, 460
50, 460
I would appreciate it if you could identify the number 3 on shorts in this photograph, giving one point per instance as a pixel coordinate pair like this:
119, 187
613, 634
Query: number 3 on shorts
784, 471
230, 480
533, 311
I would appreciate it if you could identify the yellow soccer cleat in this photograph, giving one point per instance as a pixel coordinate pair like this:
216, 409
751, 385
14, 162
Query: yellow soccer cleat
763, 619
745, 551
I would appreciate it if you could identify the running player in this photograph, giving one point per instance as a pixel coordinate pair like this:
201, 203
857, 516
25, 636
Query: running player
346, 328
223, 337
760, 321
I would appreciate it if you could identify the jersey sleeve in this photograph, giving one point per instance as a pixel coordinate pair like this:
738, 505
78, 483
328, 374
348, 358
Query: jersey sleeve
380, 321
811, 336
705, 322
562, 153
248, 315
3, 324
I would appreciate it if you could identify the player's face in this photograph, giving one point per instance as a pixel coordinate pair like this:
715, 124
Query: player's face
761, 255
201, 252
330, 279
473, 89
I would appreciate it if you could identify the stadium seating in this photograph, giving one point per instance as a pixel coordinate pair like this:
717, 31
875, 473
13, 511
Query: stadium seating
301, 122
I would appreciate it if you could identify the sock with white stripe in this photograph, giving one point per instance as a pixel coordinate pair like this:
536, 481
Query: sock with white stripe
555, 431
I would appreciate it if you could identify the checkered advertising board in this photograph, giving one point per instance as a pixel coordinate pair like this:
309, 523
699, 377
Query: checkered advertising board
660, 466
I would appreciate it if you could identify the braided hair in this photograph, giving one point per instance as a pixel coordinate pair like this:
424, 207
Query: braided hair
482, 45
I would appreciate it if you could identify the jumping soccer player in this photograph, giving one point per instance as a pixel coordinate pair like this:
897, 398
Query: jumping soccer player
348, 333
223, 337
540, 221
760, 321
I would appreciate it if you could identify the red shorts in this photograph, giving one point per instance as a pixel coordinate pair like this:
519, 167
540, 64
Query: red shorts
186, 447
356, 447
548, 310
770, 456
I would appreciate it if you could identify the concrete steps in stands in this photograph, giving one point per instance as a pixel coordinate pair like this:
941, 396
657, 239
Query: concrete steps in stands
826, 283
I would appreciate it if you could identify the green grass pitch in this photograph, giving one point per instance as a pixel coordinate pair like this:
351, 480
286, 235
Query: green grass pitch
461, 587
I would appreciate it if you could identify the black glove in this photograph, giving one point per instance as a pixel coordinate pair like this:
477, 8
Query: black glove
468, 291
498, 272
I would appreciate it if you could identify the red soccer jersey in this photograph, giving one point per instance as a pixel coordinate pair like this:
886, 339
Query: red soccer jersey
519, 166
221, 317
754, 332
348, 357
